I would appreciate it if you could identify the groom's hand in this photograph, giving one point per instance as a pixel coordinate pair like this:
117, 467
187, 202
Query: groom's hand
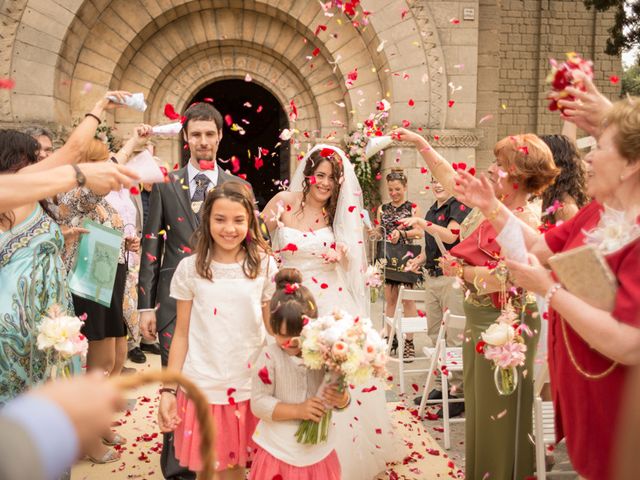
148, 324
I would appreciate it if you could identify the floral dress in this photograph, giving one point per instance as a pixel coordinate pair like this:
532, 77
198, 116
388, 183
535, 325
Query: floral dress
33, 279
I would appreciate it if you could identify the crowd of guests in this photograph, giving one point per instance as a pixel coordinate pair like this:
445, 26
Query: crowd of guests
559, 201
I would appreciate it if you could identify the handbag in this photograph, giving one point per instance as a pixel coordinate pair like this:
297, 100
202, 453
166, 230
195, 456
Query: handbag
396, 256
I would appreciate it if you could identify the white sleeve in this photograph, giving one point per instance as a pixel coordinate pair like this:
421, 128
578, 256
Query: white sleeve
269, 286
182, 283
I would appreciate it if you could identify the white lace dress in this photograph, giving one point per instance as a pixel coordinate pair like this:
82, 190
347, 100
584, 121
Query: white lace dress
364, 433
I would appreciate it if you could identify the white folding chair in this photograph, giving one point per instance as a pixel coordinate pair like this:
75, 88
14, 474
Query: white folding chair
400, 326
444, 360
544, 428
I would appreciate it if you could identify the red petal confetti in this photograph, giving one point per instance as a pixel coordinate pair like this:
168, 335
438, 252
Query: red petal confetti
290, 247
421, 314
451, 103
228, 120
480, 347
327, 152
235, 164
185, 249
312, 180
293, 111
316, 52
258, 163
351, 208
7, 83
352, 76
230, 391
320, 28
277, 477
208, 100
433, 451
415, 386
454, 21
134, 191
324, 286
370, 389
151, 258
170, 112
614, 79
263, 373
406, 123
207, 164
403, 13
379, 431
411, 102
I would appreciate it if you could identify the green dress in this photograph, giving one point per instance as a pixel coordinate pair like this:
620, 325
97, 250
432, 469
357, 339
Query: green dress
491, 419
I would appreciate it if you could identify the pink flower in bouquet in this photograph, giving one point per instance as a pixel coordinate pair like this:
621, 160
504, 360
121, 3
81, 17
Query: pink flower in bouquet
340, 350
510, 354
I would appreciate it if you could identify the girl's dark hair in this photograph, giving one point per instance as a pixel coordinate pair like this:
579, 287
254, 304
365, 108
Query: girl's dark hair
291, 303
397, 176
313, 162
571, 180
17, 150
254, 244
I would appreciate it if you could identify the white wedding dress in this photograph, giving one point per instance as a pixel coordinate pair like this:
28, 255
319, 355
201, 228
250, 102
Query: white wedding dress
365, 436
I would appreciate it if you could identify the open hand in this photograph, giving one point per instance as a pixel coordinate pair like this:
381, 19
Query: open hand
532, 277
411, 222
404, 135
474, 191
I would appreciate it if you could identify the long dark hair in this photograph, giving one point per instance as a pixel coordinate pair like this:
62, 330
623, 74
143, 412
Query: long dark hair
313, 162
17, 150
254, 244
291, 303
571, 180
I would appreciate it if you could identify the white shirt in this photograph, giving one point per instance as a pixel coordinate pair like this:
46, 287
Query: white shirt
226, 329
193, 171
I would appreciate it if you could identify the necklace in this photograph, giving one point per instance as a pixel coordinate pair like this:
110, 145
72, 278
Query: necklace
574, 362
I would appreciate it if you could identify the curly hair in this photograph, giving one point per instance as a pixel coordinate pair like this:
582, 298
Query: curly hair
528, 161
571, 179
313, 162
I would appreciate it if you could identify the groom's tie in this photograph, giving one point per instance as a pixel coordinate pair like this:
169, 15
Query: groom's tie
202, 182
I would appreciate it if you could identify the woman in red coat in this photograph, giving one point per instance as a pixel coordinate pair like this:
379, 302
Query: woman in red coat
591, 350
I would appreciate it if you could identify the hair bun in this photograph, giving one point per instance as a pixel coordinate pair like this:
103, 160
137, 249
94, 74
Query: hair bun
287, 275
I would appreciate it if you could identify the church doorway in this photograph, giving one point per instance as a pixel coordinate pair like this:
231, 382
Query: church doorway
250, 147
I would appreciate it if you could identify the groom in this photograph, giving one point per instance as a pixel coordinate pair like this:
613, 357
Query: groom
174, 214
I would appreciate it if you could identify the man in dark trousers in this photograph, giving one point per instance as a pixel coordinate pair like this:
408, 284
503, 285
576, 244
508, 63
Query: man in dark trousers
173, 217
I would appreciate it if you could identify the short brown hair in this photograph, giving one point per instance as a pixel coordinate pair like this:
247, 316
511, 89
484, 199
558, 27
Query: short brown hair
254, 245
202, 111
97, 151
625, 117
528, 161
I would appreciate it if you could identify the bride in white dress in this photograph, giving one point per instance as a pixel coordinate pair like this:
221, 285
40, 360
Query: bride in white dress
317, 228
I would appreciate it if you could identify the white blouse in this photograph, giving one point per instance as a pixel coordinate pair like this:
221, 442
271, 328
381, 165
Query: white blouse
226, 329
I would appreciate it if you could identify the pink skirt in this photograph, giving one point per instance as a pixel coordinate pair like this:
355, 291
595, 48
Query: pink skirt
234, 427
267, 467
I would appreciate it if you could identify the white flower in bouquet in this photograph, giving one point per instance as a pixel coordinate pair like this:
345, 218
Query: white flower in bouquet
62, 333
498, 334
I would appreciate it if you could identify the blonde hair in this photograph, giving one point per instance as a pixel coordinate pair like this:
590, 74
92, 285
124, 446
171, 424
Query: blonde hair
625, 117
96, 152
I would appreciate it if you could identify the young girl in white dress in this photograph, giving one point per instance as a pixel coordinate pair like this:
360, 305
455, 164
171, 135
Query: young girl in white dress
284, 392
222, 295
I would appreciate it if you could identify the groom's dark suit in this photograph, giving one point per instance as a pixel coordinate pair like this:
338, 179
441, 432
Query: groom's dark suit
169, 211
168, 230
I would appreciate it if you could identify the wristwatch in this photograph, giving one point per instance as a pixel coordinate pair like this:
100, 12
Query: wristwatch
81, 180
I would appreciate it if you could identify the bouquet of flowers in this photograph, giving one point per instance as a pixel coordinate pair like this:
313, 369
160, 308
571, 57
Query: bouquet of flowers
373, 280
502, 343
350, 350
562, 76
367, 170
59, 336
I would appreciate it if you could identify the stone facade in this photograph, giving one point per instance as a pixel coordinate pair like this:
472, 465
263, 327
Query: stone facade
488, 57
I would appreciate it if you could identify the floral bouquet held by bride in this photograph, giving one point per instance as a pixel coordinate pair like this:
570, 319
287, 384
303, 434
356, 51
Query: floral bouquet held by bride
350, 350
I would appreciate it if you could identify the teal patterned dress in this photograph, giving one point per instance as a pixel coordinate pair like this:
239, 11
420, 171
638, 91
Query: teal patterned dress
33, 278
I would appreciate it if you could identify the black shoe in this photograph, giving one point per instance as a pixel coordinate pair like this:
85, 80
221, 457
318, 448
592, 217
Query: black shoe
455, 409
433, 395
153, 348
136, 355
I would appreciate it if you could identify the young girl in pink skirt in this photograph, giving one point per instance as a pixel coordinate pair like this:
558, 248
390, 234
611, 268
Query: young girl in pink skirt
222, 293
284, 393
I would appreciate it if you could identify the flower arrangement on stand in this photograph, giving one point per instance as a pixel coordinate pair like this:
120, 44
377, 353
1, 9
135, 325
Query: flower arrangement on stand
503, 344
351, 352
60, 338
368, 170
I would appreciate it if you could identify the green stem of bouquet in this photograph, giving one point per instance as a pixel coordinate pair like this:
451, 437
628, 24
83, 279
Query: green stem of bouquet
508, 384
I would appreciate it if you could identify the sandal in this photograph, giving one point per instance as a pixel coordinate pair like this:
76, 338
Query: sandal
109, 456
117, 440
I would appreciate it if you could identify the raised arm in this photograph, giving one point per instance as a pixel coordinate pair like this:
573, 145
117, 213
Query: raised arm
75, 148
139, 139
440, 169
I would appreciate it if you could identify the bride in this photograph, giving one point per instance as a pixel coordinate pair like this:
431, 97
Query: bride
317, 228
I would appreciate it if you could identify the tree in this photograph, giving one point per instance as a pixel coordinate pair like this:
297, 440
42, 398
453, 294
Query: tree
625, 32
631, 81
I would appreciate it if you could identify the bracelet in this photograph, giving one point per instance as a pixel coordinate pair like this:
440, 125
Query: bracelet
494, 213
172, 391
345, 405
93, 116
551, 292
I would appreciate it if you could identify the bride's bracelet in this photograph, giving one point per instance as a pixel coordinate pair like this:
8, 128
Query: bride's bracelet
551, 292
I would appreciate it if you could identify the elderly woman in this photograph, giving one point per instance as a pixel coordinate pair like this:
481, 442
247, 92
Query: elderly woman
590, 349
523, 167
